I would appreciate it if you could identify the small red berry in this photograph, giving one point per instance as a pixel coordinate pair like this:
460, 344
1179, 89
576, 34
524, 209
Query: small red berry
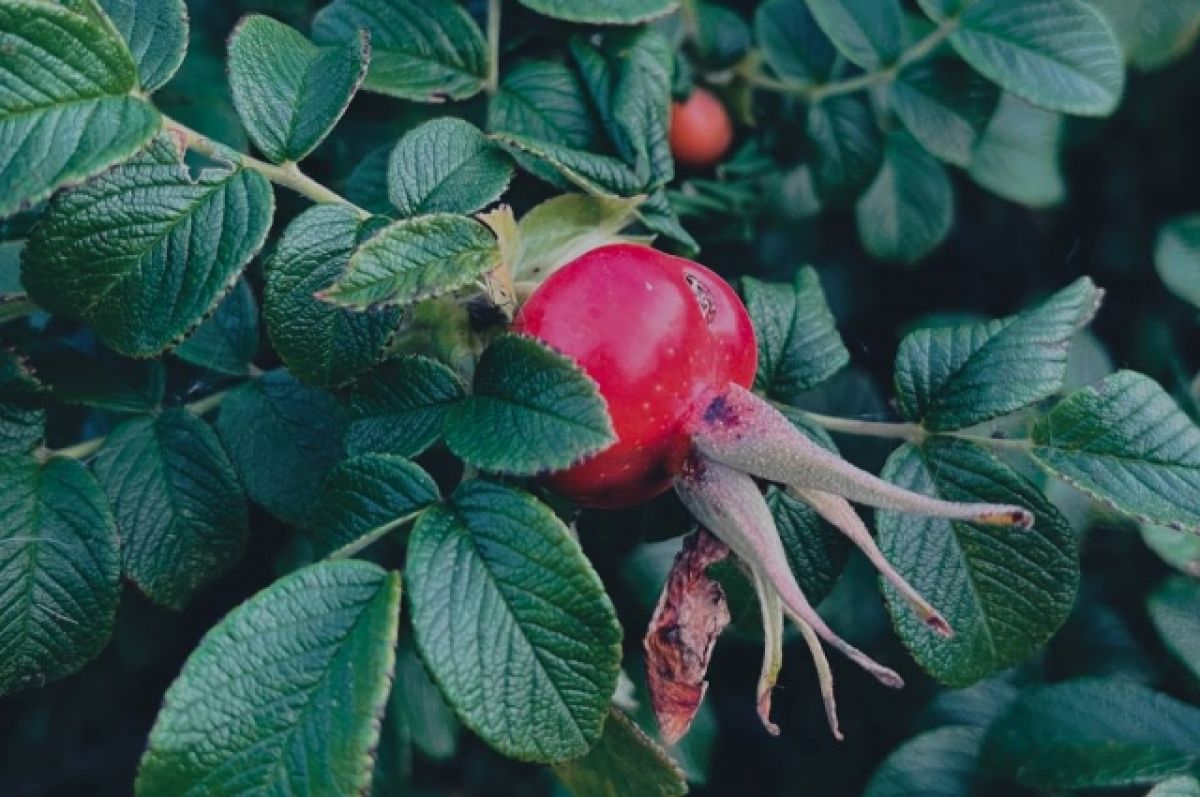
701, 131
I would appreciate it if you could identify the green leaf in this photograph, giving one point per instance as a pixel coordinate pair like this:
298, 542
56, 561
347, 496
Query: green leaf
1177, 257
182, 244
909, 209
1181, 551
870, 33
288, 91
792, 43
953, 377
543, 100
1057, 54
415, 259
366, 185
368, 495
816, 551
940, 763
60, 571
847, 148
199, 96
398, 408
321, 343
1017, 157
22, 415
722, 37
531, 410
1182, 786
446, 166
1125, 442
798, 343
603, 12
657, 214
1093, 733
561, 229
283, 437
14, 303
624, 761
423, 50
102, 379
156, 33
945, 106
1175, 609
1153, 33
285, 694
66, 105
180, 510
513, 622
1004, 590
434, 727
227, 342
595, 174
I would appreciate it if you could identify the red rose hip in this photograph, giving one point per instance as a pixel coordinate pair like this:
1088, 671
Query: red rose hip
700, 130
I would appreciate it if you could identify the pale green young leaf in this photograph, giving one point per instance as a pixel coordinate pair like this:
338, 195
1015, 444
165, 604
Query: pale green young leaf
285, 693
1182, 786
624, 761
870, 33
446, 166
288, 91
60, 570
792, 43
1181, 551
227, 342
1017, 156
398, 407
156, 33
1177, 257
1175, 610
513, 622
940, 763
945, 106
1153, 33
603, 12
560, 229
908, 210
848, 149
531, 410
180, 510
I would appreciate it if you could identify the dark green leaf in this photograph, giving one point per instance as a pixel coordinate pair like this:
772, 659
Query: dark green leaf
603, 12
543, 100
182, 244
199, 97
102, 379
722, 36
909, 209
157, 35
14, 303
595, 174
446, 166
848, 148
657, 214
433, 725
798, 343
1175, 609
513, 622
66, 105
945, 106
940, 763
1125, 442
1093, 733
60, 571
22, 417
816, 551
957, 376
792, 43
284, 694
870, 33
424, 50
1017, 157
624, 761
398, 407
289, 92
283, 437
228, 341
367, 495
1177, 257
180, 510
1004, 590
531, 410
366, 186
321, 343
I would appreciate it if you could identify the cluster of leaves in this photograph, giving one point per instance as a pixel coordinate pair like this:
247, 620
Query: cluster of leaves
356, 384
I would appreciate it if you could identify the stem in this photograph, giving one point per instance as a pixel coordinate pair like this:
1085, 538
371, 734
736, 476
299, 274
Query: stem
909, 432
493, 40
287, 175
371, 537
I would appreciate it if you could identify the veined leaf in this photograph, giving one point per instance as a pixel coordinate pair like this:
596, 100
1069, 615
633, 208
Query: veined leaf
848, 149
156, 33
595, 174
940, 763
1177, 257
624, 761
945, 106
446, 166
543, 100
603, 12
285, 693
1175, 609
909, 208
227, 342
513, 622
1017, 156
398, 407
870, 33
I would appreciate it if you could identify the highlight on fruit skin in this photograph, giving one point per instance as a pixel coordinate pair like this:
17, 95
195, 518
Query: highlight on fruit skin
672, 350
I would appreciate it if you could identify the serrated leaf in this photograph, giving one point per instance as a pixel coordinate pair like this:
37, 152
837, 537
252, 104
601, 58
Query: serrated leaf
181, 244
60, 571
366, 495
285, 693
798, 343
792, 43
22, 414
909, 209
415, 259
603, 12
940, 763
595, 174
446, 166
156, 33
283, 437
1125, 442
398, 408
423, 50
870, 33
1182, 786
848, 150
543, 100
101, 379
1003, 590
227, 342
945, 106
180, 510
513, 622
1058, 54
560, 229
531, 410
1093, 733
1177, 257
1017, 156
66, 108
321, 343
288, 91
1153, 33
1175, 609
953, 377
624, 761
